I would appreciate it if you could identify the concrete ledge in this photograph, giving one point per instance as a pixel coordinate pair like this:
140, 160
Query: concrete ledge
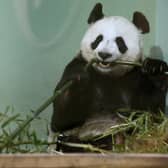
84, 161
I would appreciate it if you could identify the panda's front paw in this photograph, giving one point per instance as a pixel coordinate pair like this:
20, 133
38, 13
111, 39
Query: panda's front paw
154, 66
80, 80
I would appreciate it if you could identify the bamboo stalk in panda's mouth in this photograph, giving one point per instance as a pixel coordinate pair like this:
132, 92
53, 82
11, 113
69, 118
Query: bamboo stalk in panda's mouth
127, 63
114, 63
137, 64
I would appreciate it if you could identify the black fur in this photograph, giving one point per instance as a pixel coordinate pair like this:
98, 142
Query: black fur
66, 107
121, 45
141, 22
95, 43
96, 13
93, 92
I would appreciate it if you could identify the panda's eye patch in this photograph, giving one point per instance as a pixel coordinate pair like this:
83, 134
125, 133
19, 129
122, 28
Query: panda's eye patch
121, 45
95, 43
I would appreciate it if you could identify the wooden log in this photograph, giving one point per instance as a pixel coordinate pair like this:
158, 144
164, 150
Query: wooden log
84, 161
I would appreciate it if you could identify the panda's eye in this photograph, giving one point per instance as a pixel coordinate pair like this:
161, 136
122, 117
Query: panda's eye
95, 43
121, 45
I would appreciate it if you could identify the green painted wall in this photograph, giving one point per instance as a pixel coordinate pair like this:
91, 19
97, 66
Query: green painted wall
39, 37
161, 31
162, 26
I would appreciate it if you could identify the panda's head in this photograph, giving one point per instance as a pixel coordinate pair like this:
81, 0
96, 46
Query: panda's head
113, 38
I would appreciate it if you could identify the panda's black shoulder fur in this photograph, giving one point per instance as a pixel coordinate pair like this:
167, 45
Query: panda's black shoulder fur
93, 92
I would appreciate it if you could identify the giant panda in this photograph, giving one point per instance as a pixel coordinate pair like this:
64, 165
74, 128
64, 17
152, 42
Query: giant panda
96, 93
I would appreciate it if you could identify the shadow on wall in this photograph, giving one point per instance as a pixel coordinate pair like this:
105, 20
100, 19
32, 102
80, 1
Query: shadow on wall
156, 53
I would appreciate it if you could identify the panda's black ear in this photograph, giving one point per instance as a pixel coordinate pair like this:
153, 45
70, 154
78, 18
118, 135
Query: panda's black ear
141, 22
96, 13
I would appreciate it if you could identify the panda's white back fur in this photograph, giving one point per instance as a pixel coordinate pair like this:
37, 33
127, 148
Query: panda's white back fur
110, 28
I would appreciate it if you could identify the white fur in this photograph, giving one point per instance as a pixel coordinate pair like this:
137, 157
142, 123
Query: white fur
110, 28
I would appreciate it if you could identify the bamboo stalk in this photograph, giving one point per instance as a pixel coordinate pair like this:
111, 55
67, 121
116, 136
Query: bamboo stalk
128, 63
87, 147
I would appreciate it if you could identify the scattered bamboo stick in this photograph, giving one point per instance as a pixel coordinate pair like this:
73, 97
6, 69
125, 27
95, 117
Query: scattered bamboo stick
87, 147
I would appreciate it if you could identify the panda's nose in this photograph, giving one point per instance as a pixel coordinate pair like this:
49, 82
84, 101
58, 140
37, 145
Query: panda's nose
104, 55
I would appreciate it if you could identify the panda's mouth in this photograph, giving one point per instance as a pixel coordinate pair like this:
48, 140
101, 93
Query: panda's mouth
104, 64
